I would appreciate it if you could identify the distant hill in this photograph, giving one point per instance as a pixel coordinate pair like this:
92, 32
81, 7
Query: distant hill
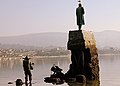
37, 40
107, 39
51, 39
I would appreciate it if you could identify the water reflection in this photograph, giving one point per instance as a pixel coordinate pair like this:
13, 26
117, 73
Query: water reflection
9, 63
90, 83
109, 70
11, 69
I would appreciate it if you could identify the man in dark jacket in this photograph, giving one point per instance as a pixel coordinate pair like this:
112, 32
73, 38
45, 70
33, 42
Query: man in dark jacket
80, 18
27, 69
56, 69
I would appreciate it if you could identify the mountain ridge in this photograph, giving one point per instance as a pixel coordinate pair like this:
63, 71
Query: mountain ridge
107, 38
38, 40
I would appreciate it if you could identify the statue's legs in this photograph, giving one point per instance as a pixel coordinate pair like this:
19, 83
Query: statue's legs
79, 26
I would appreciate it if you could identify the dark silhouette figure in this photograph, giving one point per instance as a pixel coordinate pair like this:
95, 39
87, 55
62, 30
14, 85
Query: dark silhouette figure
80, 18
19, 82
56, 69
57, 73
27, 66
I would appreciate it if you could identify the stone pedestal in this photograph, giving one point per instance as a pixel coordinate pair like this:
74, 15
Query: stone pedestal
84, 56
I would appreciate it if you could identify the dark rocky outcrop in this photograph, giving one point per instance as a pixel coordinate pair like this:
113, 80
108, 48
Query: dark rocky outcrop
84, 55
84, 58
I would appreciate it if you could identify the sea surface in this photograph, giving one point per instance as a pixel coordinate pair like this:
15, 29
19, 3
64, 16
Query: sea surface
12, 69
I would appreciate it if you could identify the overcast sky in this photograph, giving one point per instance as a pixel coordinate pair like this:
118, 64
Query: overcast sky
19, 17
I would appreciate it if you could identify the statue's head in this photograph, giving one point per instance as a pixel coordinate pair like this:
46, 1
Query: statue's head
80, 5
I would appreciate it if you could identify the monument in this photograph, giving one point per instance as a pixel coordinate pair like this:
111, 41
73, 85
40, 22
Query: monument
84, 56
80, 15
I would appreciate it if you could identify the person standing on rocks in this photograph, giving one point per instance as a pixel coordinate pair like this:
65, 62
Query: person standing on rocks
27, 66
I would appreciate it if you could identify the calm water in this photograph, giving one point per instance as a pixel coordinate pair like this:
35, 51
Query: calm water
11, 69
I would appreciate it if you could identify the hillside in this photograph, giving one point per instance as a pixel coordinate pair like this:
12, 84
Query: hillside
107, 39
104, 39
37, 40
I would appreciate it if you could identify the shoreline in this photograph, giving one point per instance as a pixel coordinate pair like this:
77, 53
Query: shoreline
32, 57
61, 56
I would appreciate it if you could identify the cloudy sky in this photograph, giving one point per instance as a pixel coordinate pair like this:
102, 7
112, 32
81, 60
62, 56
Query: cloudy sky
18, 17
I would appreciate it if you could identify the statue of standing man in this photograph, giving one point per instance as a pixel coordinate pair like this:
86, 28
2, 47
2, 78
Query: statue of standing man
80, 18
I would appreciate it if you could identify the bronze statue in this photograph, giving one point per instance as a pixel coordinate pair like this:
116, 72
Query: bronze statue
80, 18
